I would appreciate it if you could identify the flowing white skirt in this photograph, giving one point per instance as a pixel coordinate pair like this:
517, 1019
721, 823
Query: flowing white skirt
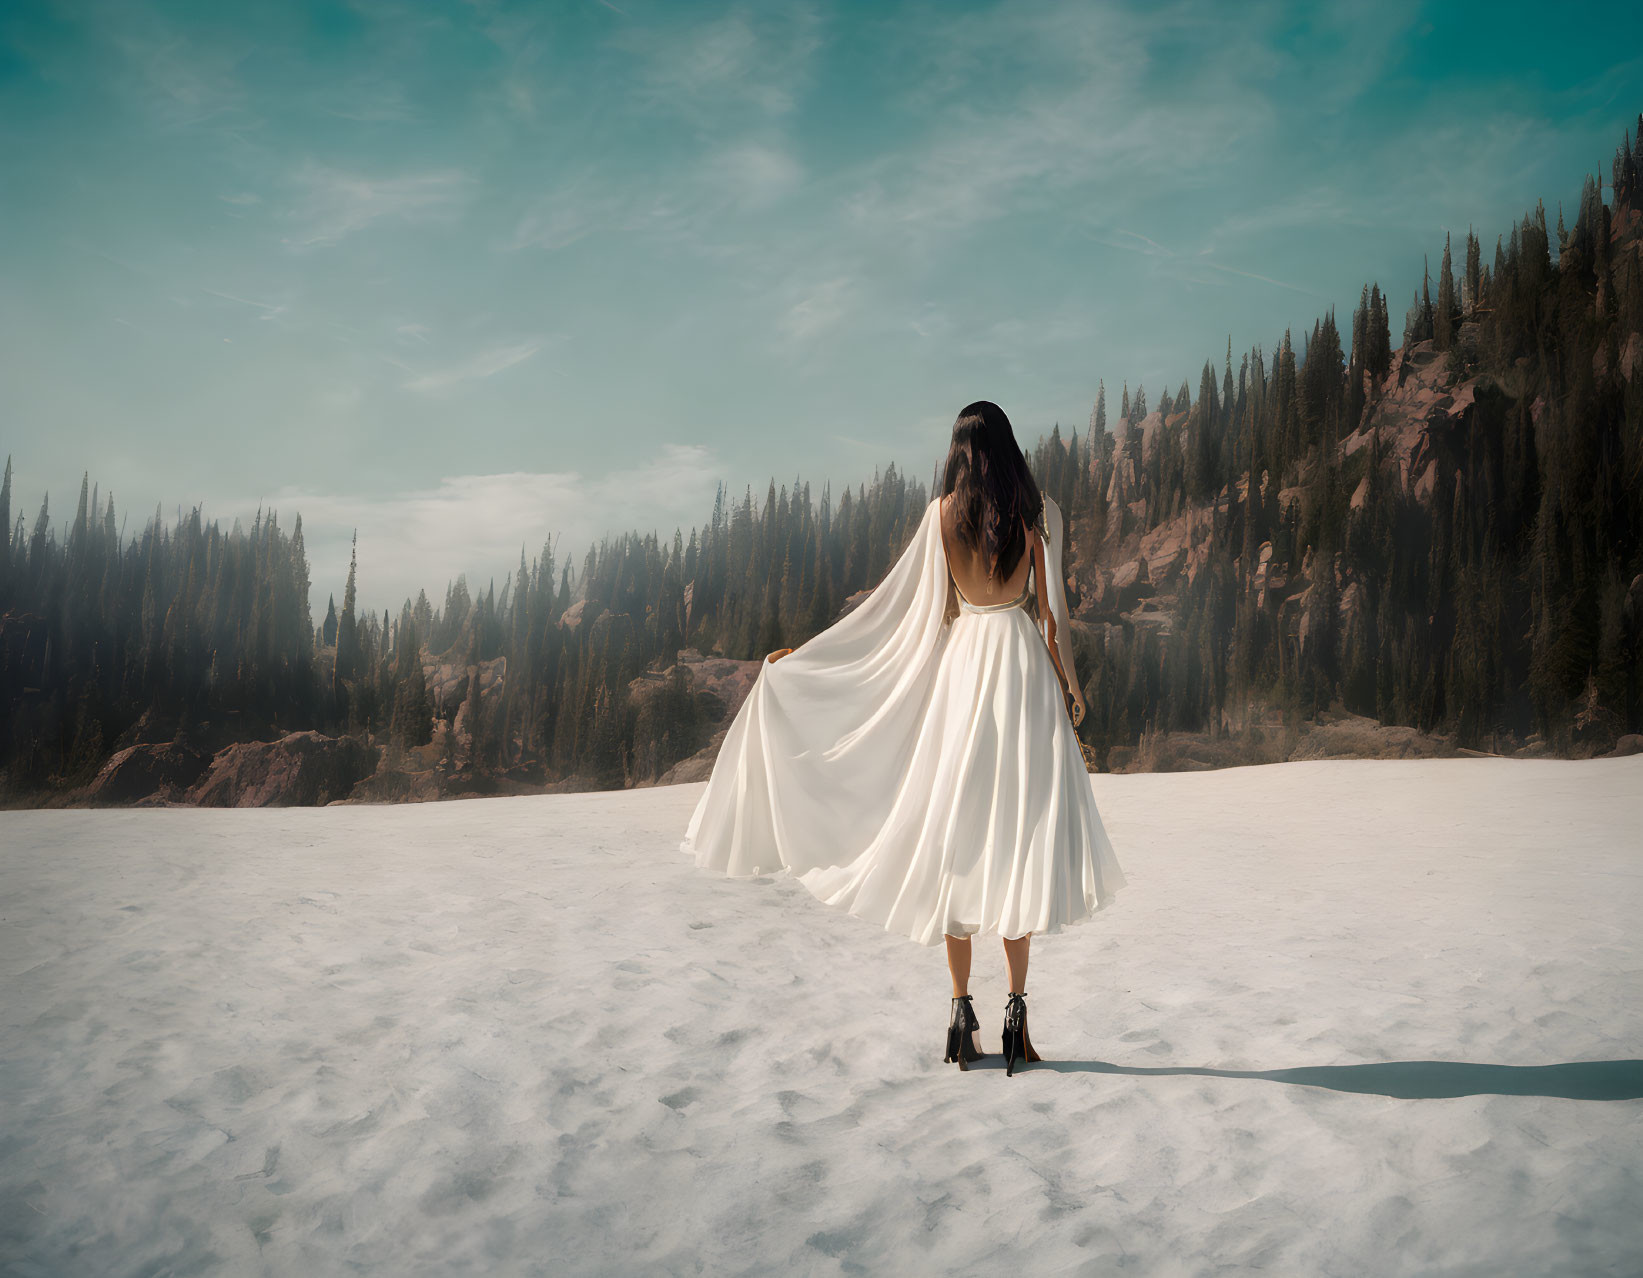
995, 828
917, 771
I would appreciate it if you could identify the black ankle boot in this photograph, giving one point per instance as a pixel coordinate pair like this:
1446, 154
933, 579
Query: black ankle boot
1018, 1048
961, 1045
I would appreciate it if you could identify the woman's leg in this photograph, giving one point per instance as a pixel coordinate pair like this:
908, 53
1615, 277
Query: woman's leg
958, 963
1015, 958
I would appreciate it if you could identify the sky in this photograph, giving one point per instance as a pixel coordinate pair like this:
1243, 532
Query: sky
466, 278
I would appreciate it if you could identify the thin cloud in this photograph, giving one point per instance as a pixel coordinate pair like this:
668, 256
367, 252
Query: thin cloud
1322, 205
333, 203
175, 78
1078, 127
1186, 268
477, 368
572, 210
520, 41
474, 525
270, 310
692, 205
1154, 245
1049, 151
367, 99
752, 175
1266, 279
823, 307
713, 71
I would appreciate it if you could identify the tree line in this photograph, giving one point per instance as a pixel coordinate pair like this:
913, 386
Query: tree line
1499, 603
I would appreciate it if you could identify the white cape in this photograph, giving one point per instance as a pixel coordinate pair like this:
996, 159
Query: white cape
817, 758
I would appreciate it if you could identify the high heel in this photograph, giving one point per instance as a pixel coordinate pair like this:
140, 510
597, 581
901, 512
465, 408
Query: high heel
961, 1045
1018, 1048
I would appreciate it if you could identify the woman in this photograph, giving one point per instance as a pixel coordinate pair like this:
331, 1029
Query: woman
915, 763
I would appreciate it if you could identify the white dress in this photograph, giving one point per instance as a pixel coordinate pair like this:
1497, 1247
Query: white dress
917, 772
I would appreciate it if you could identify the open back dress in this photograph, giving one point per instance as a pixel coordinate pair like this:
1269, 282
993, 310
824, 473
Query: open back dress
916, 766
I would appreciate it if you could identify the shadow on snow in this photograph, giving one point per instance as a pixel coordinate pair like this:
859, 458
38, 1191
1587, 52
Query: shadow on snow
1403, 1080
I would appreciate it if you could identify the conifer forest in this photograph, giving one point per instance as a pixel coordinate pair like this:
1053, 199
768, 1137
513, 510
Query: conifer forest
1294, 528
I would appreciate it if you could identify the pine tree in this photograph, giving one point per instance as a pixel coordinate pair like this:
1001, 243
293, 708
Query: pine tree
1444, 319
1428, 328
1474, 272
5, 536
346, 668
302, 585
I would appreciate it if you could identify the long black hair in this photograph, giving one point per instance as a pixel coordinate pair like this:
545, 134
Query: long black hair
995, 492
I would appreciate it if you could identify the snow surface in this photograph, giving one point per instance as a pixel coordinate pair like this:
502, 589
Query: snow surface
528, 1036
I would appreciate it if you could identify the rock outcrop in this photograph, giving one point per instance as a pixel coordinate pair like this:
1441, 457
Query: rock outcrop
301, 768
721, 684
162, 771
1420, 401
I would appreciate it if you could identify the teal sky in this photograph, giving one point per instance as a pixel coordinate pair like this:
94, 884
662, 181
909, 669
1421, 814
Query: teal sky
469, 275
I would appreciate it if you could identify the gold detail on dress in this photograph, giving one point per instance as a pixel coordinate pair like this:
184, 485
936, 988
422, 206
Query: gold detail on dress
964, 605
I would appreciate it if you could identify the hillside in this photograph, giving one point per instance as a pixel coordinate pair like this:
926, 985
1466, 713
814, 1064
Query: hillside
1436, 543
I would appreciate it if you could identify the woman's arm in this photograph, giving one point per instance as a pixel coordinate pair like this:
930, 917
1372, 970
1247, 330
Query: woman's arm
1056, 585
